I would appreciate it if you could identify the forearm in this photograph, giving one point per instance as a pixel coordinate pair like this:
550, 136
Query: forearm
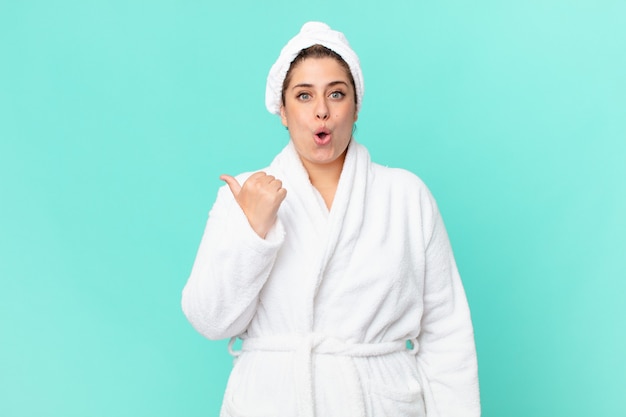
231, 267
447, 353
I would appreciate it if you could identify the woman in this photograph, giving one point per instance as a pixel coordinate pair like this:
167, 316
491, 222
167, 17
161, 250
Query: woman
336, 272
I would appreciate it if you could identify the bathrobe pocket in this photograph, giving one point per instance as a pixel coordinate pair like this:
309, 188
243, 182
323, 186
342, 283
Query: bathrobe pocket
260, 385
396, 402
233, 409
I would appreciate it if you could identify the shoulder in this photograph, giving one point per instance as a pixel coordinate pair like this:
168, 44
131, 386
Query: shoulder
403, 188
397, 178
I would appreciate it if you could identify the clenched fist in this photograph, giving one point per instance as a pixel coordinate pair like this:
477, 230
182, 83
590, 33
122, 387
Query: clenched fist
259, 197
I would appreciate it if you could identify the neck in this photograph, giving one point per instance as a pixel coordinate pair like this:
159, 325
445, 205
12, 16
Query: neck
325, 178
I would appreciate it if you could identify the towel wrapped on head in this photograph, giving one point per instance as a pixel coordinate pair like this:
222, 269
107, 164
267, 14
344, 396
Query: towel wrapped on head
312, 33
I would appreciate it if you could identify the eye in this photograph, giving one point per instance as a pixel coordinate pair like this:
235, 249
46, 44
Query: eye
337, 95
303, 96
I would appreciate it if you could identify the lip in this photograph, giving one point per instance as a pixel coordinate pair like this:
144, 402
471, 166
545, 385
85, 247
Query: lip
322, 136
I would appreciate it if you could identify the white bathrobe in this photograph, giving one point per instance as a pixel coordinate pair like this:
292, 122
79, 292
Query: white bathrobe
356, 311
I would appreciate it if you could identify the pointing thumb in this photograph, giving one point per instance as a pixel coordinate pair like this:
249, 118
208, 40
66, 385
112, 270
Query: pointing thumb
232, 184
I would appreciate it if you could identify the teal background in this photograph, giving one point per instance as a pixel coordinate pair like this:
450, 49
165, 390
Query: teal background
117, 117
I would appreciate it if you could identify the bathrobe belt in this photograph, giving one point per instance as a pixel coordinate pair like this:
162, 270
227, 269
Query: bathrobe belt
305, 346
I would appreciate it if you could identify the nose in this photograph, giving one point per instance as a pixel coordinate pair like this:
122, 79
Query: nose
321, 110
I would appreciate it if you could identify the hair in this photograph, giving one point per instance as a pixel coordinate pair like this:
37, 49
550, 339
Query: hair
316, 51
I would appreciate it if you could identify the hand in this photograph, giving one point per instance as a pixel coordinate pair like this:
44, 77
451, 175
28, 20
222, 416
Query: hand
259, 198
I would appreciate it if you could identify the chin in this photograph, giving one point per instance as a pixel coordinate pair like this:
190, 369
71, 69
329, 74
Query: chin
324, 158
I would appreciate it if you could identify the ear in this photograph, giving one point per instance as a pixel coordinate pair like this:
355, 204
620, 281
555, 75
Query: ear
283, 116
356, 115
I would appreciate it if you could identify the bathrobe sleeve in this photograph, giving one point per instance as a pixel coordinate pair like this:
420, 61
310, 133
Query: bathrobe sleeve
447, 352
231, 267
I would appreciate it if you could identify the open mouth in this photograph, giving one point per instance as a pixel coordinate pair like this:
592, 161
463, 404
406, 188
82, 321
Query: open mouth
322, 136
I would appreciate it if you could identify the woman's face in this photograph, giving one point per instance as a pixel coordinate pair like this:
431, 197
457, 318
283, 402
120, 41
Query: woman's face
319, 111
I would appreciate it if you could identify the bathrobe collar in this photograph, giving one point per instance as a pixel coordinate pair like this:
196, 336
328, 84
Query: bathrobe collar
338, 230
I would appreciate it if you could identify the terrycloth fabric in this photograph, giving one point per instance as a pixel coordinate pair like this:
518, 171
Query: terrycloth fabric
325, 303
304, 349
312, 33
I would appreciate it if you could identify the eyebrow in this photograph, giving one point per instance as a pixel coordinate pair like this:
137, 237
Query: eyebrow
307, 85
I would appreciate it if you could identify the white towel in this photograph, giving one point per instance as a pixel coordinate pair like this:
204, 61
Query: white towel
312, 33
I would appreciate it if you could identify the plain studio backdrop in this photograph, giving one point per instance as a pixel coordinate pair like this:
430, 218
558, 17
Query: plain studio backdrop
117, 117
